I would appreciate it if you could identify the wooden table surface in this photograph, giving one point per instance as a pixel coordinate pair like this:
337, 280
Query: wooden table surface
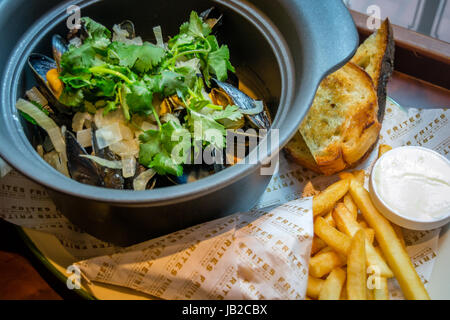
24, 277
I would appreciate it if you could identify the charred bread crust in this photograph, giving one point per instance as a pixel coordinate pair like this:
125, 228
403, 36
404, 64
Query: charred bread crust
376, 56
387, 68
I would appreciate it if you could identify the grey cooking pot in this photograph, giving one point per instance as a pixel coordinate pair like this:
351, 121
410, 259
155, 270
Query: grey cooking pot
287, 45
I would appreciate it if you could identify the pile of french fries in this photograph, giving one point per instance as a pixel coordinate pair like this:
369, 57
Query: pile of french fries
355, 249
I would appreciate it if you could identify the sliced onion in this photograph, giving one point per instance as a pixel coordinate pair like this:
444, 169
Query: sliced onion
125, 148
108, 135
128, 166
103, 162
53, 158
112, 117
118, 33
259, 107
158, 35
193, 63
46, 123
140, 183
35, 95
121, 35
84, 137
149, 126
80, 119
126, 132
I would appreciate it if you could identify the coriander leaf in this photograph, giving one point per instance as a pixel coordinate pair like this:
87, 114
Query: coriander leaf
163, 164
196, 26
173, 135
182, 41
141, 58
110, 106
149, 147
76, 81
99, 35
232, 113
148, 57
170, 82
105, 87
77, 59
165, 150
139, 99
206, 129
95, 29
219, 62
72, 98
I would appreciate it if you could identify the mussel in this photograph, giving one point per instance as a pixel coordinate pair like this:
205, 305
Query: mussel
260, 120
59, 47
112, 178
81, 169
40, 66
129, 27
212, 16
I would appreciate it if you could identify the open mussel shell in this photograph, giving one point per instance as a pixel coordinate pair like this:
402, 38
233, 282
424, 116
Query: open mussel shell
40, 64
261, 120
81, 169
213, 17
112, 178
59, 46
129, 27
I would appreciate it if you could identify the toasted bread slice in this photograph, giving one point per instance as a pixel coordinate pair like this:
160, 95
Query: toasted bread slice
341, 125
298, 151
376, 56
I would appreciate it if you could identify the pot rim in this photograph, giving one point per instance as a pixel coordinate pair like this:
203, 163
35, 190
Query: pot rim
56, 181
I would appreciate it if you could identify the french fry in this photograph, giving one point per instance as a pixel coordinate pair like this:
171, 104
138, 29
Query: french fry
360, 176
314, 286
350, 205
344, 295
350, 227
382, 293
382, 149
356, 267
326, 249
332, 287
363, 224
399, 231
370, 234
329, 219
322, 264
369, 294
317, 245
337, 240
345, 175
390, 244
325, 201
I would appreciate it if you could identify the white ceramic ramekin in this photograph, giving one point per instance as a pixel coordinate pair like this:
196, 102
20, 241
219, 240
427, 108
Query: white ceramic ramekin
394, 216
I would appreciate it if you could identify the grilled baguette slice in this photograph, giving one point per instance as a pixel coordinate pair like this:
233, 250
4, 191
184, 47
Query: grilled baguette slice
341, 125
376, 56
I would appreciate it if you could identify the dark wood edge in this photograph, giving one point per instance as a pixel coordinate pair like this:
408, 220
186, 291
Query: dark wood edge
416, 55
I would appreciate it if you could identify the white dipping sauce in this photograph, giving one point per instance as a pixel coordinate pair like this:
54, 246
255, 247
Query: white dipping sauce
414, 182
